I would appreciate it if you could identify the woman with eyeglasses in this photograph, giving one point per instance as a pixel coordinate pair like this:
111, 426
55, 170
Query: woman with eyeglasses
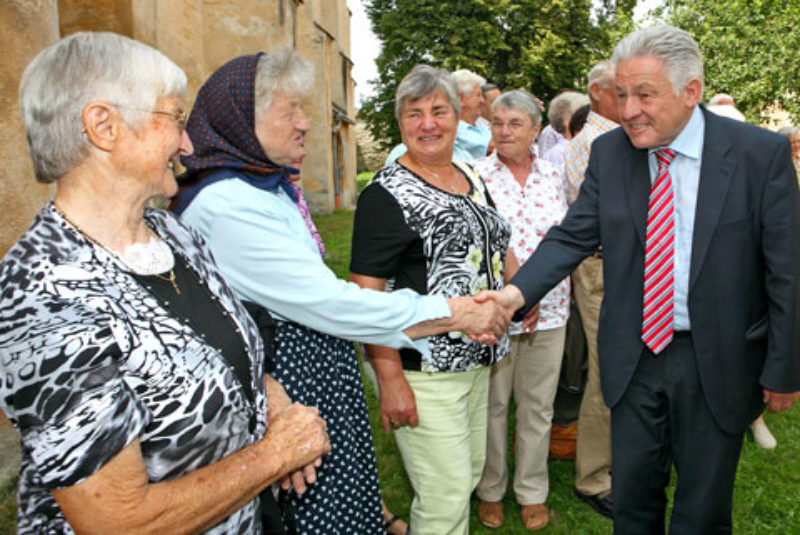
131, 371
529, 193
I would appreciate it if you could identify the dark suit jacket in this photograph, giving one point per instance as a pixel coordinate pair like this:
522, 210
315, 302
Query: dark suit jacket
744, 287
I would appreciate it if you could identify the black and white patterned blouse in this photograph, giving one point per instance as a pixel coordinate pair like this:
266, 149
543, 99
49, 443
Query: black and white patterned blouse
89, 361
418, 236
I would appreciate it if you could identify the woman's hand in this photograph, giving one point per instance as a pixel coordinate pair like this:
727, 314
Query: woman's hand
120, 499
398, 404
278, 401
277, 398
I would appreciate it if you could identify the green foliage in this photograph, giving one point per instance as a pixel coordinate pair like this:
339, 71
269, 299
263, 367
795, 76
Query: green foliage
751, 49
539, 45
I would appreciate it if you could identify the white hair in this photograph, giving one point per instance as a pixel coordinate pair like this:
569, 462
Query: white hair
466, 81
601, 74
284, 72
83, 68
721, 99
562, 107
673, 46
726, 110
424, 80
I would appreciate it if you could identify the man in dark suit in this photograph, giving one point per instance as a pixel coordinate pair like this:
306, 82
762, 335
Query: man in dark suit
698, 219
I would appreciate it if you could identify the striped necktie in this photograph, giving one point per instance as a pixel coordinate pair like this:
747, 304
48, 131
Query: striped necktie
659, 254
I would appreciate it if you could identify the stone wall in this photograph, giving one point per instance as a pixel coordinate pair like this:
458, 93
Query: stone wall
198, 35
27, 26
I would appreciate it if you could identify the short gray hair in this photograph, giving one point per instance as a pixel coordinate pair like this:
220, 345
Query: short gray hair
82, 68
721, 98
562, 107
601, 74
521, 101
285, 72
422, 81
676, 48
789, 131
466, 81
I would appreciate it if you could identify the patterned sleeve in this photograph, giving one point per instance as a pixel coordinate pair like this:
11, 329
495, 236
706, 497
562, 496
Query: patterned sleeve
380, 234
63, 383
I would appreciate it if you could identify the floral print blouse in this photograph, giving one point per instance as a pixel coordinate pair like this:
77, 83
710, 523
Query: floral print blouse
531, 209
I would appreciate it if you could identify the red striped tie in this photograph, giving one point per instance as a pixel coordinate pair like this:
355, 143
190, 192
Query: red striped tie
658, 259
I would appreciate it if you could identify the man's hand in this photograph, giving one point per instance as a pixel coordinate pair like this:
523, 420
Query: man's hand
779, 401
510, 298
485, 320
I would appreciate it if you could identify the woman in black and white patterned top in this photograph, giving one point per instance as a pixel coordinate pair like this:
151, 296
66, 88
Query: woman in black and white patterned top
427, 223
132, 373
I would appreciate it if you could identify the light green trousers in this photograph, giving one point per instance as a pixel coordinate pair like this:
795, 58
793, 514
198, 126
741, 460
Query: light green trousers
444, 455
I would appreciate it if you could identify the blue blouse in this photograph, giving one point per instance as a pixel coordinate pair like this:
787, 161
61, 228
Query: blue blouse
264, 249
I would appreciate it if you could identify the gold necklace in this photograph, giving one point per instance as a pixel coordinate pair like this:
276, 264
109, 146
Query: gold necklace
448, 183
170, 277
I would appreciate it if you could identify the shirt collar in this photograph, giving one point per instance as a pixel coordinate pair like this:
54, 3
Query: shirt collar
689, 142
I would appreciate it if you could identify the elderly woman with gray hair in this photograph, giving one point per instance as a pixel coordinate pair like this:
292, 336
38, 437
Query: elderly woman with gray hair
428, 223
529, 193
131, 371
249, 127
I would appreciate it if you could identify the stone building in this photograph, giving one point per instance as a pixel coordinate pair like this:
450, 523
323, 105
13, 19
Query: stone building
198, 35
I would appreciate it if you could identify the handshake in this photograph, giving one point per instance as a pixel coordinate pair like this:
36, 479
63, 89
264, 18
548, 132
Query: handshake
486, 316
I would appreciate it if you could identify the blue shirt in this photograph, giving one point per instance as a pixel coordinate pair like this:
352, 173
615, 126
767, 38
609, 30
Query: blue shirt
266, 253
472, 142
685, 173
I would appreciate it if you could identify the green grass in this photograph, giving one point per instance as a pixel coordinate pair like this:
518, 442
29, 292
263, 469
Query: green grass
8, 506
766, 499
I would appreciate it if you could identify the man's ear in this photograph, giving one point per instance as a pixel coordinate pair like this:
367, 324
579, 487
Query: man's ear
693, 92
101, 125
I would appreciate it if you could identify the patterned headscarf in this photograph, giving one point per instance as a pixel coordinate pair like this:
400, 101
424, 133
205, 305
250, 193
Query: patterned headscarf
222, 129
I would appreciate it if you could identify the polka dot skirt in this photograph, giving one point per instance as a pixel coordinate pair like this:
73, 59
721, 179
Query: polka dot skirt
320, 370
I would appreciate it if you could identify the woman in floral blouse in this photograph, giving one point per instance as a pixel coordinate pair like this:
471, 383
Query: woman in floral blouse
529, 193
427, 223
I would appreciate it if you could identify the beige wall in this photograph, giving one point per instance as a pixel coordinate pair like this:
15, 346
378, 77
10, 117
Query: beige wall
27, 26
199, 35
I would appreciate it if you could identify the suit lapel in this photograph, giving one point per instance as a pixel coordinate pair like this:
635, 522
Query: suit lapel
637, 186
716, 172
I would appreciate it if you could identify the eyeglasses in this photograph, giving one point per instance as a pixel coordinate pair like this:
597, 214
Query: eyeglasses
514, 126
178, 116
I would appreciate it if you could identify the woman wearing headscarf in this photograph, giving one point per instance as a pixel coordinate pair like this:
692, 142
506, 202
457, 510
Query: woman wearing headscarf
248, 128
131, 371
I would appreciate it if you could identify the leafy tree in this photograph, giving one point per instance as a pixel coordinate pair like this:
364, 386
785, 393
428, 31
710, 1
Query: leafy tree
751, 49
539, 45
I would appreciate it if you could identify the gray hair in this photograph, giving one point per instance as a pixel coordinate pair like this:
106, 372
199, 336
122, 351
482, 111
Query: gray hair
82, 68
466, 81
488, 86
284, 72
721, 99
422, 81
562, 107
676, 48
601, 74
521, 101
789, 131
